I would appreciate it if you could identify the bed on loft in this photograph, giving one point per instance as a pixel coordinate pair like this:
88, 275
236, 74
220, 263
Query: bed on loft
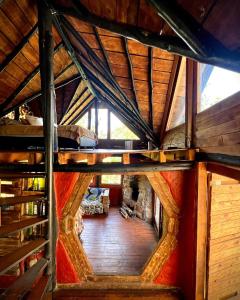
17, 136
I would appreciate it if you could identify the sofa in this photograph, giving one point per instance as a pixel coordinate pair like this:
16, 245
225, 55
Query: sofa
94, 203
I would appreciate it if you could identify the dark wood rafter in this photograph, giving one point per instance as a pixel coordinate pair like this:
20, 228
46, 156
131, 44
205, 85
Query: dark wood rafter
101, 67
133, 117
150, 82
191, 102
224, 170
49, 116
109, 125
184, 25
130, 70
71, 52
102, 49
38, 94
124, 118
18, 48
25, 83
173, 44
218, 158
170, 94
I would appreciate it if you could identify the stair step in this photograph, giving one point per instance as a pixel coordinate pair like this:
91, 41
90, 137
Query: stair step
24, 224
24, 284
10, 260
20, 199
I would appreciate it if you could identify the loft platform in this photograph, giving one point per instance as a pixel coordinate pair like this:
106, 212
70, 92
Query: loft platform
91, 157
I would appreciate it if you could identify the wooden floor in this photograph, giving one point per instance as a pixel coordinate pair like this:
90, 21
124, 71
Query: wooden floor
115, 245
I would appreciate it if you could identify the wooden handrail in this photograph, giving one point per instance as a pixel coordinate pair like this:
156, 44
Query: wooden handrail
24, 283
9, 260
24, 224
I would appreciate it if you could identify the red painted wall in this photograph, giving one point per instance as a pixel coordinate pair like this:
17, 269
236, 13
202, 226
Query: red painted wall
179, 268
115, 194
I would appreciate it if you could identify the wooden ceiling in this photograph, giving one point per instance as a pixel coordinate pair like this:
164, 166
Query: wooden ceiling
96, 57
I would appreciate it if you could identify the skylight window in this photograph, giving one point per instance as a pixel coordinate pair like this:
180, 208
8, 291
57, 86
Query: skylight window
216, 84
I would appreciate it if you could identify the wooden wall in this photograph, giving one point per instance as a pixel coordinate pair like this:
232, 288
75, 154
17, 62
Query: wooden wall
217, 129
223, 272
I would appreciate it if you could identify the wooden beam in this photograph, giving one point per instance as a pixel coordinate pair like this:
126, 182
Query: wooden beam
224, 170
219, 158
102, 168
18, 48
130, 70
24, 284
183, 24
96, 116
173, 44
24, 224
25, 83
191, 101
10, 260
150, 82
170, 94
201, 231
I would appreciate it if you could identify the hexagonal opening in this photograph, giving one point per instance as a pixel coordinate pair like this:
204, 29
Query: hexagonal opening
112, 245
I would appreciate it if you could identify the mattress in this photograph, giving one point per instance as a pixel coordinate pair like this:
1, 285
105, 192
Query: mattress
80, 137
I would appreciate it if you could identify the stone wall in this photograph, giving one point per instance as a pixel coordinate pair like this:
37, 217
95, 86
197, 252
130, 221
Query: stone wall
143, 205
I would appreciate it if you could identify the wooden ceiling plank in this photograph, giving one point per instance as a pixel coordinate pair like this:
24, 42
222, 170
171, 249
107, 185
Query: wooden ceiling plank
24, 83
221, 57
18, 48
170, 94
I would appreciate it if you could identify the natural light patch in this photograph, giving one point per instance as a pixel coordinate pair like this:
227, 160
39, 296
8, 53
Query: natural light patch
83, 122
112, 159
216, 84
177, 112
102, 122
119, 131
111, 179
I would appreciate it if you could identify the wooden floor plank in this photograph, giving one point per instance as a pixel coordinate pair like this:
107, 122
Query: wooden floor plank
40, 289
9, 260
115, 245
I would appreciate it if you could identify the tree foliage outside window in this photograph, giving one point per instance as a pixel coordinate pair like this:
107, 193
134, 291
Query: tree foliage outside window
111, 179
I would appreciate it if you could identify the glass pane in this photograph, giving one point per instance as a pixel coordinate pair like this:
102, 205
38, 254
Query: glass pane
216, 84
93, 119
177, 113
120, 131
102, 123
83, 122
111, 179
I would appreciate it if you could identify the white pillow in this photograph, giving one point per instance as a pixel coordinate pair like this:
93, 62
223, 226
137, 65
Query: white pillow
34, 120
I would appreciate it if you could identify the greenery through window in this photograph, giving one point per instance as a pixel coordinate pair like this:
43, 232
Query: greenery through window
118, 130
111, 179
112, 159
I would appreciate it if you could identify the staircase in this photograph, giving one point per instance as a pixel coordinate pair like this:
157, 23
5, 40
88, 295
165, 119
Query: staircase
23, 231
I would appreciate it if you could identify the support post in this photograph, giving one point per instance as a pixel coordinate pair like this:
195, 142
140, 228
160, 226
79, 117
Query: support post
191, 102
49, 116
201, 231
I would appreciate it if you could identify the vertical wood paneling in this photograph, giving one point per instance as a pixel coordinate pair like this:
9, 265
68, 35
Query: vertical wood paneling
224, 239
